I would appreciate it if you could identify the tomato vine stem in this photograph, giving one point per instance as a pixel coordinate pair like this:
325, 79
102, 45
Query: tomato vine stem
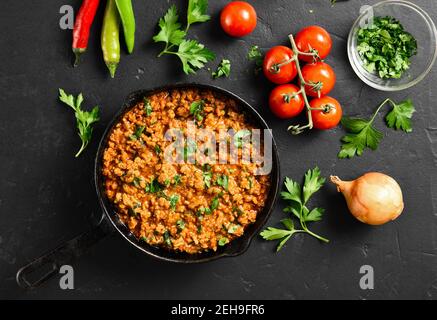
298, 129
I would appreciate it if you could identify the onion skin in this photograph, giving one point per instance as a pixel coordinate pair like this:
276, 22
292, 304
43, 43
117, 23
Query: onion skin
374, 198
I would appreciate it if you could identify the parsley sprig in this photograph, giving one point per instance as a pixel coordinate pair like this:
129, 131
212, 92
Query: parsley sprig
192, 54
297, 199
362, 134
84, 119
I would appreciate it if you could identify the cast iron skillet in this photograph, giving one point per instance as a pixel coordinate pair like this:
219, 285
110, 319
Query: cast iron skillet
46, 266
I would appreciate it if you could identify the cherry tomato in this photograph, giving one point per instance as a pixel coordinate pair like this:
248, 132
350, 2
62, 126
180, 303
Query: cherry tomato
238, 18
273, 69
285, 101
313, 38
330, 116
321, 76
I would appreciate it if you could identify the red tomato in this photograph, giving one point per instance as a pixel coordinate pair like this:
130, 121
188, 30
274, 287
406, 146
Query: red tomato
313, 38
330, 116
321, 76
238, 18
274, 71
285, 101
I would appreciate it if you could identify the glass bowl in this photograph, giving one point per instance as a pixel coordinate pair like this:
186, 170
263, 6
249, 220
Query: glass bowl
415, 21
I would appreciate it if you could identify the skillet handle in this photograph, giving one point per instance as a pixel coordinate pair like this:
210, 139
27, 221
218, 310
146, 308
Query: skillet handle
49, 264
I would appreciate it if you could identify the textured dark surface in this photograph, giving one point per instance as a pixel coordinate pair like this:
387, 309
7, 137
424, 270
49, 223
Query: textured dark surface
47, 196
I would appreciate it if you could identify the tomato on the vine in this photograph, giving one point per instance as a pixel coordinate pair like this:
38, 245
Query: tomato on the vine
285, 101
319, 79
238, 18
329, 114
313, 39
277, 65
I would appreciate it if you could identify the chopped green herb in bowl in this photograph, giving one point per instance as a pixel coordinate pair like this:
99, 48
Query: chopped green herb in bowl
392, 45
385, 48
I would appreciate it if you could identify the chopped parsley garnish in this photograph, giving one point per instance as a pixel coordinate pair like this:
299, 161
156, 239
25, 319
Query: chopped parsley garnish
137, 133
157, 149
237, 210
196, 109
386, 48
207, 176
223, 180
233, 228
222, 241
147, 107
174, 198
238, 137
214, 203
176, 179
154, 186
167, 238
137, 182
255, 54
180, 224
223, 69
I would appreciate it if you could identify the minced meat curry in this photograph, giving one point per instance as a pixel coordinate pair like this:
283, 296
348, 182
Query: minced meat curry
187, 207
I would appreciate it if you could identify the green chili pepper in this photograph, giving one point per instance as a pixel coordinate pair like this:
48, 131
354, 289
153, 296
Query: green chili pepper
110, 37
128, 20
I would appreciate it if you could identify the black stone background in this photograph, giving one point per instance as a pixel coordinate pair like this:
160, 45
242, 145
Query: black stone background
47, 196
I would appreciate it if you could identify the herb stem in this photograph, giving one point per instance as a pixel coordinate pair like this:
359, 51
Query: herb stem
379, 109
84, 145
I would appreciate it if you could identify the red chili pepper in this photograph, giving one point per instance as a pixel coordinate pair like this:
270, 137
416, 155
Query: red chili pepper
82, 25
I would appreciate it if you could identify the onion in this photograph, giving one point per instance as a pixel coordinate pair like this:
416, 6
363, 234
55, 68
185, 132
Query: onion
374, 198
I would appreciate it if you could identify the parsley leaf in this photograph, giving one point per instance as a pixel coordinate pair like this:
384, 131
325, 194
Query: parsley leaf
197, 12
84, 119
276, 234
400, 116
355, 143
298, 198
255, 54
193, 55
362, 134
313, 183
293, 192
170, 32
223, 69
